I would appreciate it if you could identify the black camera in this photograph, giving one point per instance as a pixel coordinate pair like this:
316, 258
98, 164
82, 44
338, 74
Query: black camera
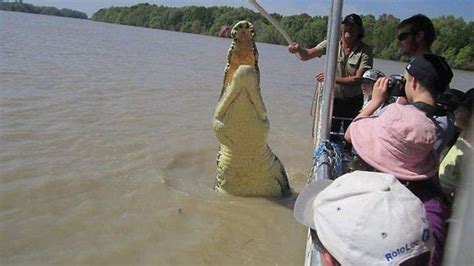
396, 85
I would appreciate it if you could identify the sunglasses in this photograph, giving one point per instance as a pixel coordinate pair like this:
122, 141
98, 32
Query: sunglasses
402, 36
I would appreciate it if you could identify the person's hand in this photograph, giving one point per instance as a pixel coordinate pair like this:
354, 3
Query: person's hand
294, 47
320, 77
402, 100
380, 91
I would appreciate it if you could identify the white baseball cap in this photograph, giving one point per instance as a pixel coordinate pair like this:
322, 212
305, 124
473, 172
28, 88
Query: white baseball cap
365, 218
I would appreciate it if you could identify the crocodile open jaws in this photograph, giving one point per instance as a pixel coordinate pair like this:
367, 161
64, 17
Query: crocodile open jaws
246, 166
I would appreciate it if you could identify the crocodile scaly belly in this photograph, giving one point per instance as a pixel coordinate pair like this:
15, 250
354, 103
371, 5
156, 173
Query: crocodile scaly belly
246, 165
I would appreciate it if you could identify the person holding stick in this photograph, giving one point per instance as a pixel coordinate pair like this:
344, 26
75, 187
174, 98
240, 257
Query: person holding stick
354, 58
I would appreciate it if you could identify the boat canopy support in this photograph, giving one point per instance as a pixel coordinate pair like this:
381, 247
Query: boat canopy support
322, 119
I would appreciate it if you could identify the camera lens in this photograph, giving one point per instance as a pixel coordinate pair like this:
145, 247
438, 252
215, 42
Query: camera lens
396, 85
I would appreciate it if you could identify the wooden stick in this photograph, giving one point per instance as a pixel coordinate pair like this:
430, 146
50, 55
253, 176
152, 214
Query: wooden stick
271, 20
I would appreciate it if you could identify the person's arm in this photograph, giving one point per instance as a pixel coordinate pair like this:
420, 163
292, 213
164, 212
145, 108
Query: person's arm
351, 80
306, 53
379, 95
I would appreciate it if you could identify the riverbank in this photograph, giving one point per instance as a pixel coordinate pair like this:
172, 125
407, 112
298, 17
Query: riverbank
42, 10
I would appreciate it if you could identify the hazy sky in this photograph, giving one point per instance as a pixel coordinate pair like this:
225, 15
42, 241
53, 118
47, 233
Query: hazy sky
399, 8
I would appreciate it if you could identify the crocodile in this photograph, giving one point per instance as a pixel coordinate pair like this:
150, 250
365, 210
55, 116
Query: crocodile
246, 166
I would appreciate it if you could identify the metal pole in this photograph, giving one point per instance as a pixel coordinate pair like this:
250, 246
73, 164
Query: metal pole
325, 113
323, 117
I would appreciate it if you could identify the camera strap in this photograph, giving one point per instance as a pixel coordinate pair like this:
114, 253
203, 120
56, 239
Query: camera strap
429, 110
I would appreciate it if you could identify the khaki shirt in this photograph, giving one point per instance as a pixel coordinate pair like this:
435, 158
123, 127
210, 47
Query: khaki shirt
360, 57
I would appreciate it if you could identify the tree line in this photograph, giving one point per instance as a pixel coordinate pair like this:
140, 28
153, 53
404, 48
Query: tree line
455, 37
43, 10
